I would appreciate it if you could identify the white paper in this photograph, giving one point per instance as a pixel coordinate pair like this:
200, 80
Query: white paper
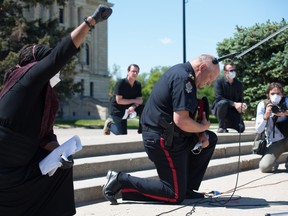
52, 161
127, 115
55, 79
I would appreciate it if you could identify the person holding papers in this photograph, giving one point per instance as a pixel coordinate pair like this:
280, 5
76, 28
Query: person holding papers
125, 103
28, 106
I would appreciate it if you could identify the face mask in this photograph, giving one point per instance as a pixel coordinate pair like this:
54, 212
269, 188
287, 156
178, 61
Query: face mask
231, 74
55, 80
275, 99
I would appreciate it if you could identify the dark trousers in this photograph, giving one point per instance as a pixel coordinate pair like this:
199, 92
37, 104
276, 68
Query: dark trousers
119, 125
228, 117
178, 168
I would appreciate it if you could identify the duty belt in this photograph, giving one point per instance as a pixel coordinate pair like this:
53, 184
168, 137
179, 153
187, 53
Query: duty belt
160, 131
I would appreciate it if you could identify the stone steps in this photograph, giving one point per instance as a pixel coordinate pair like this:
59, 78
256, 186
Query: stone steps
126, 153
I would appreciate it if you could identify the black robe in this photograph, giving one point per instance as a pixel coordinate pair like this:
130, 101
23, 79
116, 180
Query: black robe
27, 111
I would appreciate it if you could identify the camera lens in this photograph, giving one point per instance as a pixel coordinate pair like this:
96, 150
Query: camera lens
275, 109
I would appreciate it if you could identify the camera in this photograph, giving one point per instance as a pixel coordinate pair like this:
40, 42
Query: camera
278, 108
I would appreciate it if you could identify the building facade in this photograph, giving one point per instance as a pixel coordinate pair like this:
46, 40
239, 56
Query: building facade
92, 67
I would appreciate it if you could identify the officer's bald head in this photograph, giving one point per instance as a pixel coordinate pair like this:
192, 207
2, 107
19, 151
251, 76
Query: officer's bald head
205, 69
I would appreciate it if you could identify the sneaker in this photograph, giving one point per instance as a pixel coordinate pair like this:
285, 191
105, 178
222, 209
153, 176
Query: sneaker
222, 130
275, 167
106, 129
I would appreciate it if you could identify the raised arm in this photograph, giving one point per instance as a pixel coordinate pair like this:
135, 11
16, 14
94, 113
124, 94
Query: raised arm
101, 13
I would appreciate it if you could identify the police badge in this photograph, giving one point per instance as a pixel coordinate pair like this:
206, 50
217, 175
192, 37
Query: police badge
188, 87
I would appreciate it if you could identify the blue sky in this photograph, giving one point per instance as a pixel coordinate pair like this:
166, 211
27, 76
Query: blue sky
150, 32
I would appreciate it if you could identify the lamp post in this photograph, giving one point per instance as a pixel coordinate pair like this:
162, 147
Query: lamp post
184, 33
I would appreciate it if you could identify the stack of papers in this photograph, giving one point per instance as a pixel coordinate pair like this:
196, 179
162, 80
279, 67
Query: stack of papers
52, 161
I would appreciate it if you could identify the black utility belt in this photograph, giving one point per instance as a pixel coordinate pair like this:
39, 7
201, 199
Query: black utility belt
152, 129
161, 131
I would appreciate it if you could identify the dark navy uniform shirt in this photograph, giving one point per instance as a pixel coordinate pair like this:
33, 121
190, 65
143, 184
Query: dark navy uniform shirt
174, 91
127, 91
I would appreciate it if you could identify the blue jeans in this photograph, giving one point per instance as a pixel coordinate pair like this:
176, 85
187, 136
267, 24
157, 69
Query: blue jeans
119, 125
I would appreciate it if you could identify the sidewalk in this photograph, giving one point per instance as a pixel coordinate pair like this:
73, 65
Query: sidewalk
257, 194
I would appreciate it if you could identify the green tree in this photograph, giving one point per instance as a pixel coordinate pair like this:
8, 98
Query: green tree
18, 32
143, 78
263, 65
114, 77
208, 92
155, 74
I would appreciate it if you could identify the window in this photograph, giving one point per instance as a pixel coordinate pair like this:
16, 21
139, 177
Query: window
82, 87
61, 15
87, 54
91, 89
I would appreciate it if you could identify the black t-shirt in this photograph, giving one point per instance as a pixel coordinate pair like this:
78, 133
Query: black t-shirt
124, 89
174, 91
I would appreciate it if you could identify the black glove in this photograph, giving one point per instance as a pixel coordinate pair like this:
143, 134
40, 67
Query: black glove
102, 13
67, 164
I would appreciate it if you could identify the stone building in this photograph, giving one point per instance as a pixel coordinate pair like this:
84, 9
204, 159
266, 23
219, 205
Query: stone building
92, 67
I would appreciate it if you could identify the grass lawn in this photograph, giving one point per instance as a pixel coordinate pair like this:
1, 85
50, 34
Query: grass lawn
132, 123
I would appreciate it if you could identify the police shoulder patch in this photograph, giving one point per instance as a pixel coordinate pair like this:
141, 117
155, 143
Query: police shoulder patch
188, 86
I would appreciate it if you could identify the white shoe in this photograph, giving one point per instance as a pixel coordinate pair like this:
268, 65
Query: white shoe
106, 129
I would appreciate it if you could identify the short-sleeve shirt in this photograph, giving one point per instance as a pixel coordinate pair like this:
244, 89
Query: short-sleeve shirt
174, 91
124, 89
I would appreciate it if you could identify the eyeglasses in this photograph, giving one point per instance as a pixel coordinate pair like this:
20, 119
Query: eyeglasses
231, 70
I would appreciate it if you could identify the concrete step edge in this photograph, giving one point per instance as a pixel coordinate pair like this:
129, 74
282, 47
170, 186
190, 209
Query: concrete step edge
90, 190
126, 145
98, 165
112, 157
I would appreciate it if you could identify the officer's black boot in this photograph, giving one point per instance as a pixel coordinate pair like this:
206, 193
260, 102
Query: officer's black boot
112, 187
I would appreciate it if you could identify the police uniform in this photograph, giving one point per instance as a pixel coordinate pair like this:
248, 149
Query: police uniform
180, 171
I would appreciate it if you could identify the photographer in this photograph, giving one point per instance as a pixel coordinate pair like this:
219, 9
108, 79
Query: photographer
269, 113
